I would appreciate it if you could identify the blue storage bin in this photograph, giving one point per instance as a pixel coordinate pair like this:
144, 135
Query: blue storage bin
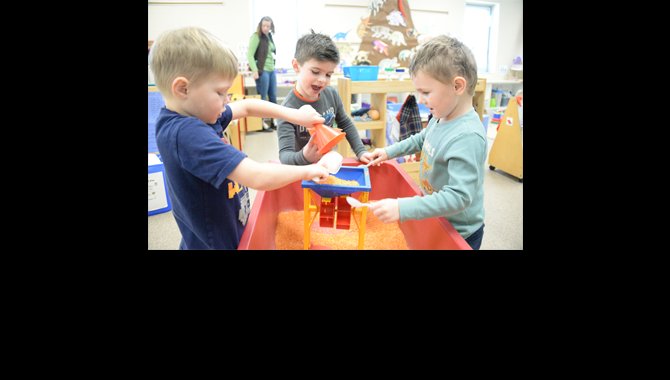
362, 73
159, 200
345, 70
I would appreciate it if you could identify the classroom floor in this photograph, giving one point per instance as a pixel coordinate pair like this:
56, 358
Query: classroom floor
503, 200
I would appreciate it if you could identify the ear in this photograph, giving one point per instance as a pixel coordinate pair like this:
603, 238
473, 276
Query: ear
180, 87
296, 66
459, 85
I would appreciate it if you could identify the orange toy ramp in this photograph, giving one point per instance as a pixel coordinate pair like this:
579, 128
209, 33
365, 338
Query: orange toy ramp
387, 181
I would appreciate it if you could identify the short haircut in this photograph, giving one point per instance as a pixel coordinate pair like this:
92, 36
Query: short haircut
193, 53
316, 46
445, 58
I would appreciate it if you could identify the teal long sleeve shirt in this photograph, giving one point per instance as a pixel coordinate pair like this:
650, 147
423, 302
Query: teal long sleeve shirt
451, 176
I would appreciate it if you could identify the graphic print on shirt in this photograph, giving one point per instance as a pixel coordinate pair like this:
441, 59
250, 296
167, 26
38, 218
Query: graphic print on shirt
245, 207
424, 168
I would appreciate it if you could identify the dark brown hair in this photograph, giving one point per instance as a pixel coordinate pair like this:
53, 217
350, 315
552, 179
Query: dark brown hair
259, 30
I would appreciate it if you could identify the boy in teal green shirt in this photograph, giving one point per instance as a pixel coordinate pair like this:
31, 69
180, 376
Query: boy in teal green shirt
453, 146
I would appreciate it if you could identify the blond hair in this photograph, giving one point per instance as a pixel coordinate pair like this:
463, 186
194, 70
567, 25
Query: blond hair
445, 58
190, 52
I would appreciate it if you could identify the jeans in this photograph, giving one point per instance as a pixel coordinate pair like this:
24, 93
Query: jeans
266, 86
475, 240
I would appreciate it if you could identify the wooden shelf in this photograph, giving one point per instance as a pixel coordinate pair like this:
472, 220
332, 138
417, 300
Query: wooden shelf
377, 90
365, 125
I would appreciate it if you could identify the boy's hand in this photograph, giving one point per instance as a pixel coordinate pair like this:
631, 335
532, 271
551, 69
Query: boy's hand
376, 157
316, 170
308, 116
386, 210
311, 150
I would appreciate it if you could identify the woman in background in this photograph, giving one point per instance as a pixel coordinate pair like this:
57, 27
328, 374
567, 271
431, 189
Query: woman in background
261, 59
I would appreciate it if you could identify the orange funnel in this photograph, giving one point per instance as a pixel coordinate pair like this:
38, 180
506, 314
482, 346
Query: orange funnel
327, 137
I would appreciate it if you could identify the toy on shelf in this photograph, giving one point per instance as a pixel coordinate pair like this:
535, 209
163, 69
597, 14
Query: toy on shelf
333, 209
361, 58
496, 117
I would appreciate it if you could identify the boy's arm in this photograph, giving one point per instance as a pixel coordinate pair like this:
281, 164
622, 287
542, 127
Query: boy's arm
270, 176
305, 115
286, 133
411, 145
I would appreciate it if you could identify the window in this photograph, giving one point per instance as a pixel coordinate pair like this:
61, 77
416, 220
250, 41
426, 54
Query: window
477, 33
283, 14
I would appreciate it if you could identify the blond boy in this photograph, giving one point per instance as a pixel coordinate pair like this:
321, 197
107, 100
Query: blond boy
207, 178
453, 146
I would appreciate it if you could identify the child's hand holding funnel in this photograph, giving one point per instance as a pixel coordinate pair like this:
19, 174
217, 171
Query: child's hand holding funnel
326, 138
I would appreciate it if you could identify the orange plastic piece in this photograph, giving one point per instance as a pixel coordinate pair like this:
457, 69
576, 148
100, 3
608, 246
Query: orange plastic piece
343, 213
327, 137
327, 213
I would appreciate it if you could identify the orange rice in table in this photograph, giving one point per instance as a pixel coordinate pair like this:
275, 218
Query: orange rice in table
332, 180
290, 234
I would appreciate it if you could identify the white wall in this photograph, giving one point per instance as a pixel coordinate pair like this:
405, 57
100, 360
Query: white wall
231, 21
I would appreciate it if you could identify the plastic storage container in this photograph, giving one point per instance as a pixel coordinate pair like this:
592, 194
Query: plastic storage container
497, 95
159, 201
362, 73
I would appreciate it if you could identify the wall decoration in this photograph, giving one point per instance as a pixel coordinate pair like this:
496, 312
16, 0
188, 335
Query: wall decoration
396, 18
374, 5
341, 35
365, 24
392, 29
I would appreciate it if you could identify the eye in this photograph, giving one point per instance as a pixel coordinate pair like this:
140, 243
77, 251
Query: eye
315, 72
328, 75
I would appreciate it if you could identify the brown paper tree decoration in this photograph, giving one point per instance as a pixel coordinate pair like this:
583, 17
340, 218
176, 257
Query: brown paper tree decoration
387, 36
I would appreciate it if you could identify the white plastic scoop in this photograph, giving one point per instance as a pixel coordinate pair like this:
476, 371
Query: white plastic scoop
333, 161
355, 203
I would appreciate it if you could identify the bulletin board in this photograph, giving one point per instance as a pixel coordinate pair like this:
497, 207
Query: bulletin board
156, 102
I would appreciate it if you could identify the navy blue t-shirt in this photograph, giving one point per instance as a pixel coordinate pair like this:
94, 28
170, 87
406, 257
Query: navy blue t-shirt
211, 210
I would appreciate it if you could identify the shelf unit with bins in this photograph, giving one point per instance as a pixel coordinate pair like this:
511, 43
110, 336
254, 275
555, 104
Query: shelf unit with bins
377, 90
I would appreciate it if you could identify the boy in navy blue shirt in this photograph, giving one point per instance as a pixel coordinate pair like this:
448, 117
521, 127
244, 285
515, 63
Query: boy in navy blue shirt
207, 178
